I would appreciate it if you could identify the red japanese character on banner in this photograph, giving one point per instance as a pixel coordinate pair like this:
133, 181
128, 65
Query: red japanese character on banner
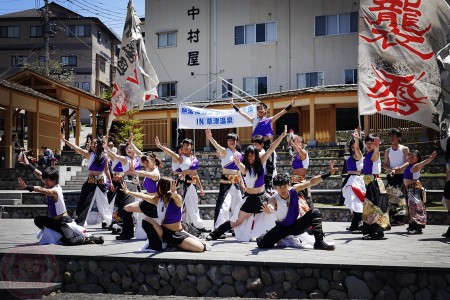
396, 93
120, 107
397, 24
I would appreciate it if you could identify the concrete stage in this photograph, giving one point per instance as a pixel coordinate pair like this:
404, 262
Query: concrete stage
398, 254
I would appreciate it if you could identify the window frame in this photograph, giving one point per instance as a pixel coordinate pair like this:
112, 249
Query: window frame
15, 60
160, 89
6, 36
102, 64
71, 31
36, 27
167, 33
256, 86
338, 24
309, 73
88, 85
254, 40
69, 57
227, 89
354, 75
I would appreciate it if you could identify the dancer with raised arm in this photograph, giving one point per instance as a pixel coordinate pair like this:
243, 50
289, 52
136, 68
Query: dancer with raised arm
130, 163
189, 168
94, 189
171, 230
415, 192
293, 214
262, 125
57, 219
252, 170
229, 192
354, 189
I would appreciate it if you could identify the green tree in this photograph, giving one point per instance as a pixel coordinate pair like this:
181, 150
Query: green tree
122, 128
56, 70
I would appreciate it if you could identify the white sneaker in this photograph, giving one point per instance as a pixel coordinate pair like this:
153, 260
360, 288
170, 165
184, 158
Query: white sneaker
208, 247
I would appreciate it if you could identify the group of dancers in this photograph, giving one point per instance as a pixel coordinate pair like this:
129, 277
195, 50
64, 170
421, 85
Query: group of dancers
167, 211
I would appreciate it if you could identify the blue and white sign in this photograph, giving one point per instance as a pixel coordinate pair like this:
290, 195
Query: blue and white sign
196, 118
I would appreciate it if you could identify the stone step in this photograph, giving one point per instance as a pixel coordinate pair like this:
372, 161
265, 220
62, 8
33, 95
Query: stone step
29, 288
10, 201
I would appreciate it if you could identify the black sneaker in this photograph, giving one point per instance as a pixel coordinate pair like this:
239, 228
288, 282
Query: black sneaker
98, 240
204, 230
104, 225
322, 245
123, 237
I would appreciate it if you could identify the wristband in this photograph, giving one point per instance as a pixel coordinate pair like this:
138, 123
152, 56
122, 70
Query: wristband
326, 175
31, 167
288, 107
30, 188
236, 108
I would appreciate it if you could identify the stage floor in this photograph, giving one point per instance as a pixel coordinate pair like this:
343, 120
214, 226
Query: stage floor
399, 250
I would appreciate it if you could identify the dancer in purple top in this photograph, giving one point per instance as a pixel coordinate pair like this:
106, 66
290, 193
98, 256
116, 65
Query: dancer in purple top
262, 125
170, 230
94, 189
252, 170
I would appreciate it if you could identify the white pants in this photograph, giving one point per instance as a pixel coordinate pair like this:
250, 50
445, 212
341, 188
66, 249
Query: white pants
103, 207
191, 213
231, 201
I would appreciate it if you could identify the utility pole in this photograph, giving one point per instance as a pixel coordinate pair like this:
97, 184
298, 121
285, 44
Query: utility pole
46, 38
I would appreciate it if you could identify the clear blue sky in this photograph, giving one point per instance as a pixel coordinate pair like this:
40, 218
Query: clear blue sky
111, 12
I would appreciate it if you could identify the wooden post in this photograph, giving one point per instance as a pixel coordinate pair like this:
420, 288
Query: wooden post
94, 124
312, 112
78, 129
169, 130
366, 124
8, 135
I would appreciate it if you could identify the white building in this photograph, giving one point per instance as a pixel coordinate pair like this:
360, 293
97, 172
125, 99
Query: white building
260, 46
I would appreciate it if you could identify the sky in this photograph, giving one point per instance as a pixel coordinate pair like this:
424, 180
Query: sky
111, 12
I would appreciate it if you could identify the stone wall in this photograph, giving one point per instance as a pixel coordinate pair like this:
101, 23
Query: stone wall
215, 280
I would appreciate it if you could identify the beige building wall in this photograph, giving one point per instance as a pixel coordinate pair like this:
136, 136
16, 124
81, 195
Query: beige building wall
295, 51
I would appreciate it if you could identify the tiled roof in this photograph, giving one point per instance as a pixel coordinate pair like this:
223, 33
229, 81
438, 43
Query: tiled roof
343, 88
29, 91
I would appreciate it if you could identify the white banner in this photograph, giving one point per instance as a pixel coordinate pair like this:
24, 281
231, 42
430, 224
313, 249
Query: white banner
197, 118
403, 46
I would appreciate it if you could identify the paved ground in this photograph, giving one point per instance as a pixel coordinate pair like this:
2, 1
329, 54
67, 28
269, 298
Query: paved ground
428, 250
79, 296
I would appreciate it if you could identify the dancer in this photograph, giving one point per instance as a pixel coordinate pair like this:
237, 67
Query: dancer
262, 125
229, 192
375, 210
446, 198
415, 192
171, 230
57, 219
354, 189
294, 216
395, 160
94, 189
189, 167
252, 170
130, 163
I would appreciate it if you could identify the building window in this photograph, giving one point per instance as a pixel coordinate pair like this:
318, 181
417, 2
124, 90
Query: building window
306, 80
76, 84
336, 24
167, 39
36, 31
42, 60
69, 60
86, 86
78, 30
18, 60
102, 64
255, 33
167, 90
351, 76
227, 88
9, 31
255, 85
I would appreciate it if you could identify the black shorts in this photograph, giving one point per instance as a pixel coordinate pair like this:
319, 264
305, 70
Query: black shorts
174, 238
148, 209
447, 190
253, 203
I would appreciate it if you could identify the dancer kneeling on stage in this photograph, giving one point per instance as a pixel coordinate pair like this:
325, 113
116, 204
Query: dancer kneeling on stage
170, 230
252, 170
293, 214
58, 219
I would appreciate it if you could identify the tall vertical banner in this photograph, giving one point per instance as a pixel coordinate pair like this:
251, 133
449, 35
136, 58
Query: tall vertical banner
404, 61
136, 80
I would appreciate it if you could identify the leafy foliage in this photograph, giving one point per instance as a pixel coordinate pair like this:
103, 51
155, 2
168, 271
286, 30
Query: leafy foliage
56, 70
122, 128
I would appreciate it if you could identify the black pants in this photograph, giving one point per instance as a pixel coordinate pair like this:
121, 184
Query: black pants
153, 238
357, 218
223, 191
270, 168
311, 218
86, 196
69, 238
123, 200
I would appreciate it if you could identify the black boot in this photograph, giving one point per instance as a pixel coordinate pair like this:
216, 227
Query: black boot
153, 238
320, 244
447, 234
219, 231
